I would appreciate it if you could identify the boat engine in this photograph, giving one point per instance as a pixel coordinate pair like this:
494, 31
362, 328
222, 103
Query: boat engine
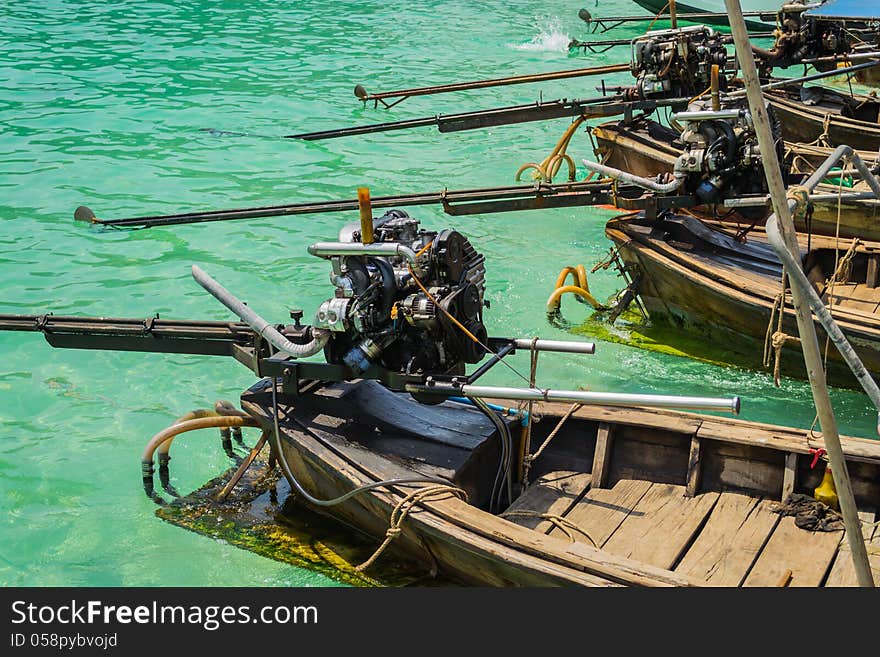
721, 156
402, 300
677, 62
800, 37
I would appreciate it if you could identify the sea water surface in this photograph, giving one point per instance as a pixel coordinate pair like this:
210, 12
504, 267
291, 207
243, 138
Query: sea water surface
104, 104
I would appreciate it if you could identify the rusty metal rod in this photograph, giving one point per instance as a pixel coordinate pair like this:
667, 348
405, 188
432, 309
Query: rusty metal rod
362, 94
542, 111
543, 190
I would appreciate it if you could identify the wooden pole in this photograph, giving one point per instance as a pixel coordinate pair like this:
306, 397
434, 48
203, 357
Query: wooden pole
673, 17
806, 328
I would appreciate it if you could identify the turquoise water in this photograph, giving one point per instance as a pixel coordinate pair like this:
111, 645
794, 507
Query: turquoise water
103, 104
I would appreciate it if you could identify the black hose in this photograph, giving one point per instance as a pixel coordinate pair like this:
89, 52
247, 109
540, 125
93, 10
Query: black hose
503, 473
147, 477
165, 474
730, 135
389, 284
357, 273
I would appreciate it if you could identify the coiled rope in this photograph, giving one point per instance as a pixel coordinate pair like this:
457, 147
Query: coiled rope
565, 525
402, 510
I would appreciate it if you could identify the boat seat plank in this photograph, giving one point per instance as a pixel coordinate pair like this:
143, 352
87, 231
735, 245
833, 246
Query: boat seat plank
370, 403
843, 573
806, 553
602, 510
553, 493
661, 526
728, 544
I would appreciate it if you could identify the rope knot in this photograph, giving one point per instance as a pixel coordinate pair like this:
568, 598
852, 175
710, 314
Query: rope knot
779, 339
801, 195
393, 532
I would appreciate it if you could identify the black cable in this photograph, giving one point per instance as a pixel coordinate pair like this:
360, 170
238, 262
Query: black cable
504, 464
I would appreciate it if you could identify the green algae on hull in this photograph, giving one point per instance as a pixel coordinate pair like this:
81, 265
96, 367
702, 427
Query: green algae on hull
631, 330
262, 516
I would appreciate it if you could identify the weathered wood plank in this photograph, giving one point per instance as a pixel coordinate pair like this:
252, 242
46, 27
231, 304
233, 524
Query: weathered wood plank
789, 475
661, 526
730, 541
806, 553
694, 467
743, 468
873, 271
602, 510
723, 429
602, 455
842, 572
553, 493
781, 438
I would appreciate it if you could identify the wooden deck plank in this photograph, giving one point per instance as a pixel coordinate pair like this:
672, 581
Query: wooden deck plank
789, 478
843, 572
602, 510
661, 525
728, 544
552, 493
806, 553
602, 455
694, 470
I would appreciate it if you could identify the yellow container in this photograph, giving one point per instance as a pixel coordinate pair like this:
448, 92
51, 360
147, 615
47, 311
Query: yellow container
826, 492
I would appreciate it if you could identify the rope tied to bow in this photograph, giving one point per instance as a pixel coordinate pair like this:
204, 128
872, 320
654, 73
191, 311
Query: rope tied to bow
401, 511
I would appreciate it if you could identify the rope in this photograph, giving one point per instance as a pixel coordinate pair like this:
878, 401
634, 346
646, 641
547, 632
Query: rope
565, 525
801, 195
774, 341
657, 17
402, 509
527, 437
842, 272
562, 420
822, 139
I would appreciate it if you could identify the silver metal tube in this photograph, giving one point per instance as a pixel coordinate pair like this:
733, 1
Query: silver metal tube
645, 183
562, 346
830, 196
260, 325
330, 249
727, 405
836, 155
707, 115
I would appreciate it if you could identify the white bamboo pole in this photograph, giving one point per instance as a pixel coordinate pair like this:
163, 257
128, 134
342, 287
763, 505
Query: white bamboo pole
806, 328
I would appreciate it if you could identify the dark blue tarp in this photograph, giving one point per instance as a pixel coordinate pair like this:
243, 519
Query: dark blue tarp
856, 9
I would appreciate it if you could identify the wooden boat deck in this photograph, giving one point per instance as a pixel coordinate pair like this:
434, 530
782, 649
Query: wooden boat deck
723, 539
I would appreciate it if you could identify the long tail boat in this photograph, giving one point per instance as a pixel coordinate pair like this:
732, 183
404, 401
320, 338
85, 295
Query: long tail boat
827, 117
391, 435
647, 148
617, 497
698, 277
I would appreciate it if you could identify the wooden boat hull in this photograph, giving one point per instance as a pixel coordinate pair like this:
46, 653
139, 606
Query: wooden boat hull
711, 7
634, 150
653, 509
727, 304
803, 123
